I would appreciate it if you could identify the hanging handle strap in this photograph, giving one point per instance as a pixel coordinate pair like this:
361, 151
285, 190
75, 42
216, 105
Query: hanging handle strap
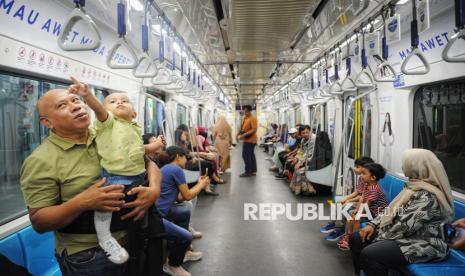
460, 32
414, 42
122, 43
150, 69
385, 65
79, 14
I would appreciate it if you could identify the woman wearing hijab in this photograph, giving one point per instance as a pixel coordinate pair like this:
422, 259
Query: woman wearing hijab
409, 231
223, 140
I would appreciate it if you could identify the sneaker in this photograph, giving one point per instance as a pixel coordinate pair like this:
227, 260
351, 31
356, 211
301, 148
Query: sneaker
344, 240
328, 228
280, 176
336, 235
115, 253
192, 256
175, 270
195, 234
273, 169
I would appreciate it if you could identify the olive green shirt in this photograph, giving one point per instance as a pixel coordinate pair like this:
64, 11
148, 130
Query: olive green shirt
57, 171
120, 146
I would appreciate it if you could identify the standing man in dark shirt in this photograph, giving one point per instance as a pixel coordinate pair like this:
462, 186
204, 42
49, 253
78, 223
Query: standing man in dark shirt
248, 133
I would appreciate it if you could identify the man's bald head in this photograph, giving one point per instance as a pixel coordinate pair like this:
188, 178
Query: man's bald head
47, 101
63, 112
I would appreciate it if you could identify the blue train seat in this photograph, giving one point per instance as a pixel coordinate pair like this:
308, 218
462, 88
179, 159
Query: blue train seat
455, 262
32, 250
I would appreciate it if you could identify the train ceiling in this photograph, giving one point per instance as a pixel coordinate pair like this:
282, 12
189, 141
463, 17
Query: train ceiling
251, 48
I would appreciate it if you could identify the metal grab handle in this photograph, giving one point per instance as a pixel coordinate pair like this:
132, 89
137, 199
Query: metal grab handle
180, 84
445, 52
384, 64
122, 43
415, 52
150, 71
162, 71
336, 89
77, 15
358, 80
346, 88
325, 91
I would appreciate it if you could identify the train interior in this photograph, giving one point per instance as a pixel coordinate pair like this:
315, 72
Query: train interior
368, 78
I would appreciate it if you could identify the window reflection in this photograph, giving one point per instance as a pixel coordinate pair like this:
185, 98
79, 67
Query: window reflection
439, 120
20, 135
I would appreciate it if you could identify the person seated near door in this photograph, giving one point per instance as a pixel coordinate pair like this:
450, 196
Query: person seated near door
206, 166
291, 142
335, 229
121, 151
207, 151
271, 137
297, 158
176, 217
372, 195
288, 152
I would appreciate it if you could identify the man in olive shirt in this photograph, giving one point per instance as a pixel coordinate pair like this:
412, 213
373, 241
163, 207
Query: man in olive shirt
248, 133
61, 183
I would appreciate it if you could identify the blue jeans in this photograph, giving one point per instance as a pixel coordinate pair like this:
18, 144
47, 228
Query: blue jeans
176, 224
122, 179
88, 262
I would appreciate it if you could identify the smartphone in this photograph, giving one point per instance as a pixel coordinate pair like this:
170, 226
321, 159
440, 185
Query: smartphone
449, 232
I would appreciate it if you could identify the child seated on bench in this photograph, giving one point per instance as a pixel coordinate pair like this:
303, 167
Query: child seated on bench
372, 195
335, 229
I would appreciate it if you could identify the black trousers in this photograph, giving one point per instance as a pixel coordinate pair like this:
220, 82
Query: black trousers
248, 155
381, 258
194, 166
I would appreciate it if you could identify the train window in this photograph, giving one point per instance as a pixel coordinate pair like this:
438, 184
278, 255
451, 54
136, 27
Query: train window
200, 121
358, 136
298, 115
20, 135
154, 116
438, 121
316, 113
100, 94
181, 115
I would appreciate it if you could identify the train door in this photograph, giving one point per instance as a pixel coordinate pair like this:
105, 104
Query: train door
357, 110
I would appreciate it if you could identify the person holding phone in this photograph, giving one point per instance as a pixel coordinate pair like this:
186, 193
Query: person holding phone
248, 133
456, 234
176, 216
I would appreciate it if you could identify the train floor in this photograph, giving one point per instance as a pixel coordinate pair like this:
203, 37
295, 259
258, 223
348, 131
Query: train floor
232, 246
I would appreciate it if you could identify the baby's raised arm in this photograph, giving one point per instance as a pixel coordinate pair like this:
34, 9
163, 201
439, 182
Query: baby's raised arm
83, 89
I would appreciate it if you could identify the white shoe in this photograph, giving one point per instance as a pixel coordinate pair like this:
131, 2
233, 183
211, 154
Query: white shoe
115, 253
192, 256
195, 234
175, 270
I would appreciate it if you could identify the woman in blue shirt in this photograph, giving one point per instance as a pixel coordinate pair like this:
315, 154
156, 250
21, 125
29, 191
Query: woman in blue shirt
176, 217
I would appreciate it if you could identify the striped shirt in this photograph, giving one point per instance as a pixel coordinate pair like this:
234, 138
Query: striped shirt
376, 197
360, 185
